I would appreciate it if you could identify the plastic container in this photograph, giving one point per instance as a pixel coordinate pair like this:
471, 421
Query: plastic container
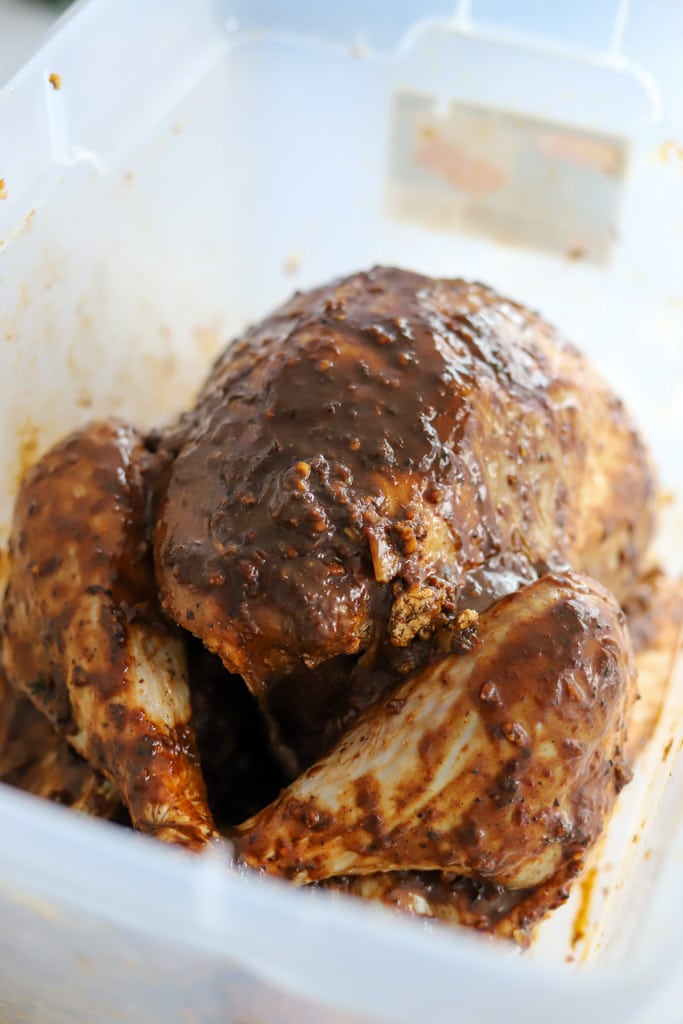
189, 166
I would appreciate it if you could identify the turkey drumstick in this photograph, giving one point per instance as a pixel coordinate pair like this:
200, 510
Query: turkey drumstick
498, 764
83, 634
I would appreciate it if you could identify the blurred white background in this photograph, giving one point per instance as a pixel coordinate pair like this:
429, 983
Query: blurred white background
22, 23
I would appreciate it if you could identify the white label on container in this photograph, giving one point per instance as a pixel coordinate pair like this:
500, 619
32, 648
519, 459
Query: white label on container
517, 179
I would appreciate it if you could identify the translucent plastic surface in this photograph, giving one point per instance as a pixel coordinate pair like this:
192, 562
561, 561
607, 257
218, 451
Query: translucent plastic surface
168, 193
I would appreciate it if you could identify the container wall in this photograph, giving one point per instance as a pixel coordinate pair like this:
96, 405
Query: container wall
164, 197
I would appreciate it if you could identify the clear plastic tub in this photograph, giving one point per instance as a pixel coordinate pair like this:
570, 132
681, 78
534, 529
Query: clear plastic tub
190, 167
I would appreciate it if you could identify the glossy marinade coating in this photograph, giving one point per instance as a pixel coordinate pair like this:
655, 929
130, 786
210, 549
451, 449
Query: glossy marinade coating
376, 455
365, 477
500, 764
83, 635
